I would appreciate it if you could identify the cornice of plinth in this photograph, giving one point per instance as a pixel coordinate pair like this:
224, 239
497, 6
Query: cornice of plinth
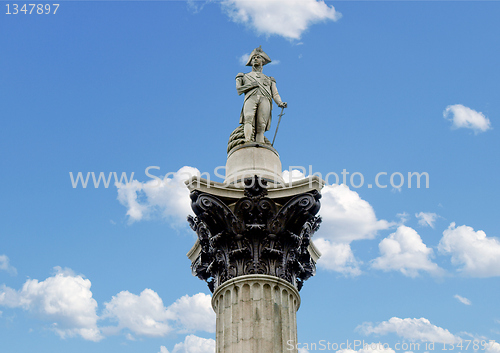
231, 193
256, 278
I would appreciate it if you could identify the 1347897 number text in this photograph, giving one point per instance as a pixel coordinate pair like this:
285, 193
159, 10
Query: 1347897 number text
28, 9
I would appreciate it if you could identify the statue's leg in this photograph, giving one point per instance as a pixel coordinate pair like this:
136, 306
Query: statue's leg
248, 130
249, 110
263, 114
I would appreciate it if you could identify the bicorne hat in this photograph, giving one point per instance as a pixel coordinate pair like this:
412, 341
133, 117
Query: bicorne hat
259, 51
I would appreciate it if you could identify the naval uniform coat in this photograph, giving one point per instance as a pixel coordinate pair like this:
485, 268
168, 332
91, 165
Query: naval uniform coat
266, 88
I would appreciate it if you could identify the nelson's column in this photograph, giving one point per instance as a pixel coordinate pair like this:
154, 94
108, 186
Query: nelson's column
254, 245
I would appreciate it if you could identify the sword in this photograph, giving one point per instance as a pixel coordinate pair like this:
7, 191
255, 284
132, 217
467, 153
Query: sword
277, 126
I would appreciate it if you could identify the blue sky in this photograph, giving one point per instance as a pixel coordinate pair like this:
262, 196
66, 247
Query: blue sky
111, 86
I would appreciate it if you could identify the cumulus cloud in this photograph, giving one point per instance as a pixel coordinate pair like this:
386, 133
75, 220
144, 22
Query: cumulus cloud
193, 313
288, 19
142, 314
167, 196
192, 344
426, 219
346, 216
493, 347
6, 266
410, 329
462, 299
477, 254
293, 175
64, 299
337, 257
146, 315
404, 251
464, 117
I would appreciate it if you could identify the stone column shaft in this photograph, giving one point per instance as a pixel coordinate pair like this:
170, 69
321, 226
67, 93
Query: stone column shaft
256, 313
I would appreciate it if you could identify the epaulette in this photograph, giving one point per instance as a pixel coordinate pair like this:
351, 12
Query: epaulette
240, 74
272, 79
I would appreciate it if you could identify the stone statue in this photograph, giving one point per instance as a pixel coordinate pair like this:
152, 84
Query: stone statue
259, 91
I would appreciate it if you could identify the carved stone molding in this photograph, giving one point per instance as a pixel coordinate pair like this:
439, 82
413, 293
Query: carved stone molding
256, 235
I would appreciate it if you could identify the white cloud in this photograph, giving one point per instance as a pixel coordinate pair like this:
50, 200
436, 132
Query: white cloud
464, 117
478, 254
404, 251
462, 299
426, 219
168, 197
64, 299
411, 329
346, 216
6, 266
142, 314
493, 347
293, 175
146, 315
337, 257
286, 18
194, 313
192, 344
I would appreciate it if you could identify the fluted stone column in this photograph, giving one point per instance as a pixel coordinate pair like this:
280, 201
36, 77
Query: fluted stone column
256, 313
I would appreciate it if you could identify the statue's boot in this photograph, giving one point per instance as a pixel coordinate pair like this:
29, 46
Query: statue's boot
261, 127
248, 130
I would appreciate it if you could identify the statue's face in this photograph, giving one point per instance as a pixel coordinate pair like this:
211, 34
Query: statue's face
257, 60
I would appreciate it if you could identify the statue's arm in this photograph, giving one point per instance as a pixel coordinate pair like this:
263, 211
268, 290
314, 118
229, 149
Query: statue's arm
242, 85
276, 95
